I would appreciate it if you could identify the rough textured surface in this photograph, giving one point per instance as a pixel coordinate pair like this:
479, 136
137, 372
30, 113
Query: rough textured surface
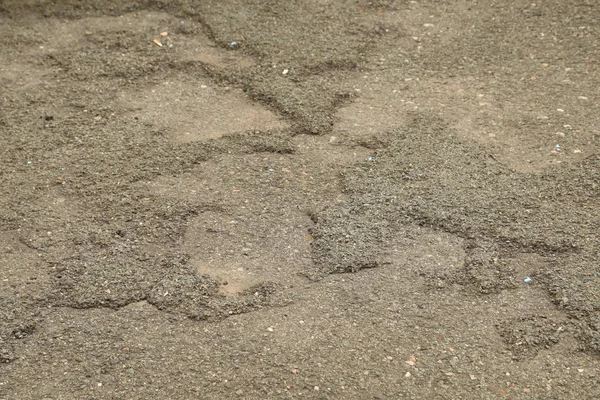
302, 199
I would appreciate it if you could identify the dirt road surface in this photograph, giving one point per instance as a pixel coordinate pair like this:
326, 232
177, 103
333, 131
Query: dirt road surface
315, 199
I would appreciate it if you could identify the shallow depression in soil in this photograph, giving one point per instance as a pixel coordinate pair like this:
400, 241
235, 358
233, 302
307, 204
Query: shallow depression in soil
193, 111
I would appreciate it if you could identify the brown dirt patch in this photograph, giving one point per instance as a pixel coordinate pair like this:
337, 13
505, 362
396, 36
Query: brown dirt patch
356, 199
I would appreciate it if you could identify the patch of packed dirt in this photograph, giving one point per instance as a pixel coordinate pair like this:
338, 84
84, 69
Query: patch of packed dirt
306, 199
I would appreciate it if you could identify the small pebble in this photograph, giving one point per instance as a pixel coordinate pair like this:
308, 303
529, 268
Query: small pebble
270, 329
285, 71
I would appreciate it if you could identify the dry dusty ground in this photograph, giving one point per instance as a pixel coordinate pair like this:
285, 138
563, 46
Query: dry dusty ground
342, 204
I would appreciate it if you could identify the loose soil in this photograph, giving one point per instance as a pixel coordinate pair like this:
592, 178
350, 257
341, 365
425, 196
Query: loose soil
227, 199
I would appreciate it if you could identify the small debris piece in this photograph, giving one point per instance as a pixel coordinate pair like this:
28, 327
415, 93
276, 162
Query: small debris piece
576, 151
294, 371
407, 375
411, 360
233, 45
527, 390
497, 390
156, 42
270, 329
527, 279
285, 71
163, 34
